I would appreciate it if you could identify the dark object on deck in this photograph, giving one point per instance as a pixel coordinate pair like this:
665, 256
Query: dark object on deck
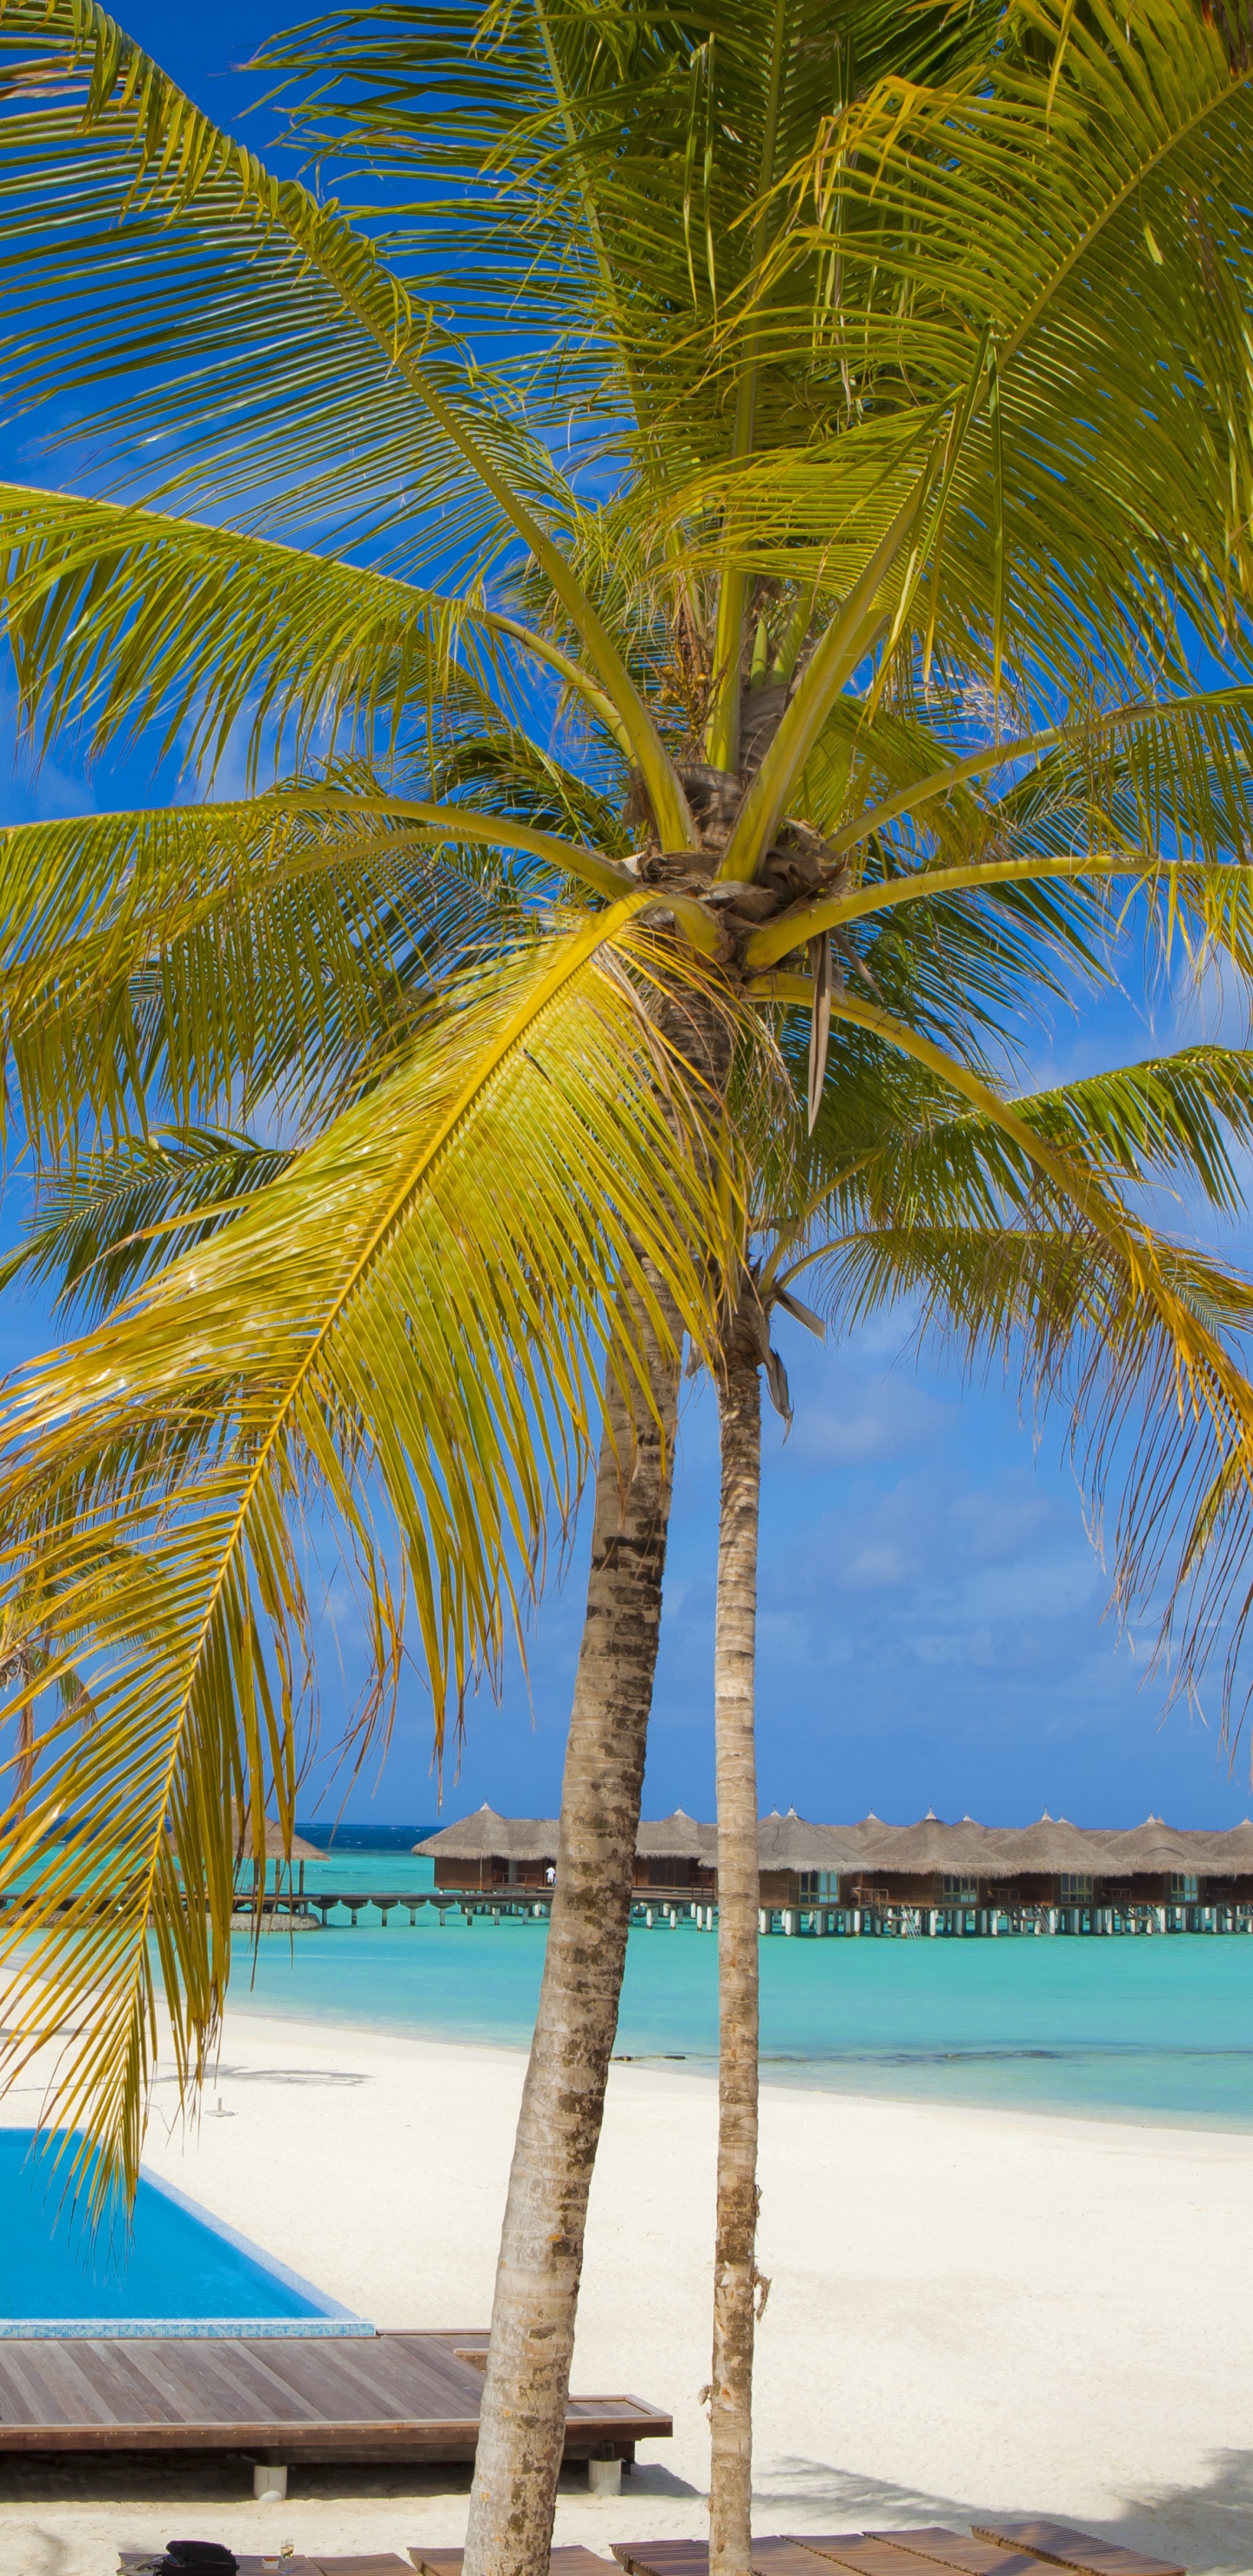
207, 2555
1059, 2546
385, 2565
357, 2397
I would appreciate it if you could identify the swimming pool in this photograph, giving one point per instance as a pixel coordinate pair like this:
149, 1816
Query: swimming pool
178, 2271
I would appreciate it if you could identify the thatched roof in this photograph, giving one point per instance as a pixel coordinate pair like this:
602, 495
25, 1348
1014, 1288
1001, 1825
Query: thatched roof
676, 1837
1228, 1855
967, 1850
1051, 1845
1151, 1847
487, 1836
245, 1847
791, 1842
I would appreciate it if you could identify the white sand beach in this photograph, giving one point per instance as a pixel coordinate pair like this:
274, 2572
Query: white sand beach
969, 2309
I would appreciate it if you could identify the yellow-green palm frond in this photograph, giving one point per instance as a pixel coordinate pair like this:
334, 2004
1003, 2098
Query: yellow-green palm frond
1157, 1394
121, 619
324, 379
1159, 1444
1076, 314
890, 1142
1148, 798
113, 1218
1008, 1226
398, 1335
215, 957
291, 372
589, 173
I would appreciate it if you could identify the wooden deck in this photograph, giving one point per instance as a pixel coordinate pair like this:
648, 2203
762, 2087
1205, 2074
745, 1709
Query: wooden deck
352, 2396
1059, 2546
569, 2560
386, 2565
1018, 2546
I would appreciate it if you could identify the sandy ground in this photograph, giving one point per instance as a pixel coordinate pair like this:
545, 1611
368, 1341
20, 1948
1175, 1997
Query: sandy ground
969, 2310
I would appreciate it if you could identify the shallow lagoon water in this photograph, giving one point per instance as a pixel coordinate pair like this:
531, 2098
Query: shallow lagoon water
1157, 2029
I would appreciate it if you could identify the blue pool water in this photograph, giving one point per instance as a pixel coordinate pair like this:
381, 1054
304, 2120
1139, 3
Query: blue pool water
178, 2272
1156, 2030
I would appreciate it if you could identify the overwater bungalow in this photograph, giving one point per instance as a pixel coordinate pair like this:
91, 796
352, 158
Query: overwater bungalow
269, 1847
929, 1878
490, 1854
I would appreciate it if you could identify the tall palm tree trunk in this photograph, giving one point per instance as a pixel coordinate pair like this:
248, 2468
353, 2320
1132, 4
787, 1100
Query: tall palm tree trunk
735, 2270
522, 2424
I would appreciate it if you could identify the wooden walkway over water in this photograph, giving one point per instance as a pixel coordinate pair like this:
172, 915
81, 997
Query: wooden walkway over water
891, 1918
279, 2397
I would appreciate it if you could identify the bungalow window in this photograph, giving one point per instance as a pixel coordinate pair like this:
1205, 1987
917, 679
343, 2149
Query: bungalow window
819, 1882
1183, 1887
962, 1891
1075, 1890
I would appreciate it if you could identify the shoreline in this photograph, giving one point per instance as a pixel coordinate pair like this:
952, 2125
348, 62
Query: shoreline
969, 2312
702, 2066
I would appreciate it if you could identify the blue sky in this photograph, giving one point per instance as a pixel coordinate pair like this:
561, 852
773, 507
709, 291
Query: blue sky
932, 1611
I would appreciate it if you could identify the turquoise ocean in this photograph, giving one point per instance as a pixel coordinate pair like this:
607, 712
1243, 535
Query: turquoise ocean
1150, 2030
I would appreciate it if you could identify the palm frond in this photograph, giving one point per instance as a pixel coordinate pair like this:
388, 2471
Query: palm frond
399, 1333
216, 957
106, 1224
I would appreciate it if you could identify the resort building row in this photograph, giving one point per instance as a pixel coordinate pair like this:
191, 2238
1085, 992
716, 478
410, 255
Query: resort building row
927, 1877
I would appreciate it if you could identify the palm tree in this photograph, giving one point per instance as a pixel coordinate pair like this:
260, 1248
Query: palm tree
805, 594
898, 1198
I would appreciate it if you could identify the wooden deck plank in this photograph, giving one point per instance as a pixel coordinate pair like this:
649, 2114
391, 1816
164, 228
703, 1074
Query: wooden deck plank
377, 2566
571, 2559
775, 2554
787, 2556
663, 2557
863, 2551
1060, 2546
359, 2394
969, 2557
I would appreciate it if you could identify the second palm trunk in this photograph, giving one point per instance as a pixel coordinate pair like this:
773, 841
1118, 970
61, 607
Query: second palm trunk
735, 2249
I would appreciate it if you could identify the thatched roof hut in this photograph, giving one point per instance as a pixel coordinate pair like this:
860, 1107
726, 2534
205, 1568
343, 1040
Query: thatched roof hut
274, 1849
932, 1848
1053, 1847
1228, 1855
488, 1836
676, 1837
1151, 1849
792, 1842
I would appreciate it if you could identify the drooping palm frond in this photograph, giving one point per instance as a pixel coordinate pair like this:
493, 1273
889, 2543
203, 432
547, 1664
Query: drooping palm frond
219, 957
1007, 1229
398, 1334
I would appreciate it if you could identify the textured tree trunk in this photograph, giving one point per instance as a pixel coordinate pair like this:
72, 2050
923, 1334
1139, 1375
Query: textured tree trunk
735, 2245
522, 2424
